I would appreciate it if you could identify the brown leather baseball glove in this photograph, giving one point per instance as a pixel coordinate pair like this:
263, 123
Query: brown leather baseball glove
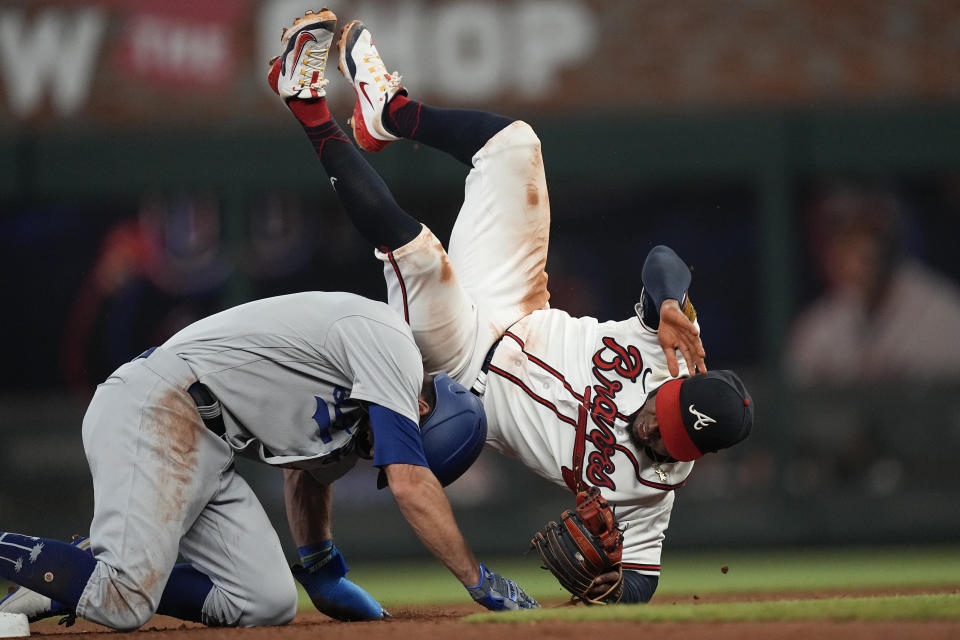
586, 544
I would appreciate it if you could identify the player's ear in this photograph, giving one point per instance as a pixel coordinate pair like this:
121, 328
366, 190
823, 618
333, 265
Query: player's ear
423, 406
428, 396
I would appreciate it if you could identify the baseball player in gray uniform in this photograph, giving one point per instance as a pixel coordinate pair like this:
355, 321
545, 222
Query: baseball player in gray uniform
310, 382
580, 402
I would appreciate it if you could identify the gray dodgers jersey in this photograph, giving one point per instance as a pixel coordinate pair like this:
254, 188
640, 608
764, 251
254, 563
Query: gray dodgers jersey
290, 371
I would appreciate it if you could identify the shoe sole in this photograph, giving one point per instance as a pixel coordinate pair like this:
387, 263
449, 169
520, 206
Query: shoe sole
360, 132
324, 15
342, 45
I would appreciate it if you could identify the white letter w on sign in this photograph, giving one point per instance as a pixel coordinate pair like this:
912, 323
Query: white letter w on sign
56, 54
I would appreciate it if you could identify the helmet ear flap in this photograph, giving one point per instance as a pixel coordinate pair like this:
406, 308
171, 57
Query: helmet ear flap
454, 432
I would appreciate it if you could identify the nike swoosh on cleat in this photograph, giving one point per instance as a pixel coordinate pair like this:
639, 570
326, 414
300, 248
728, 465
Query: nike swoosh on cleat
302, 39
363, 88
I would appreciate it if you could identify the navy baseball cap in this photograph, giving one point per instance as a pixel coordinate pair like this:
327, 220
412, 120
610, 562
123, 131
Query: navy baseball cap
703, 413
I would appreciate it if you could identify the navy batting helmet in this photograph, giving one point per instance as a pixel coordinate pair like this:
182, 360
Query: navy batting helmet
455, 430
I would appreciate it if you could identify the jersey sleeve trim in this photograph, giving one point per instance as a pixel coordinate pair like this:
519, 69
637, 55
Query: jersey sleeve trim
642, 568
396, 438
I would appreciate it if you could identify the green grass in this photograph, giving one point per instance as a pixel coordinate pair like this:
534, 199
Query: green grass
803, 570
688, 574
918, 607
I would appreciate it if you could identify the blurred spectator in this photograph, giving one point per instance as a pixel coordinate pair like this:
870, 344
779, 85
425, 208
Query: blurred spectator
885, 315
153, 275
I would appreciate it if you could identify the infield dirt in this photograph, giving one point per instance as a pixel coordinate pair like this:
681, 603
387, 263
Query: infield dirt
446, 623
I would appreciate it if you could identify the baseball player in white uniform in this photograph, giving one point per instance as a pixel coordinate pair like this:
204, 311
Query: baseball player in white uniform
309, 382
580, 402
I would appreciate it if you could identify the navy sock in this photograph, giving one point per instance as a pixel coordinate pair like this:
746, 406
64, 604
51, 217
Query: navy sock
459, 132
364, 194
52, 568
185, 593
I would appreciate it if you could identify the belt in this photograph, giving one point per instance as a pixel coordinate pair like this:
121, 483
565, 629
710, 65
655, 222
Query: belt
481, 383
207, 404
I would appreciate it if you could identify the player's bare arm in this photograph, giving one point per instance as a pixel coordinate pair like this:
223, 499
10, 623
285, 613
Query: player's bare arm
425, 506
322, 569
664, 307
678, 333
308, 504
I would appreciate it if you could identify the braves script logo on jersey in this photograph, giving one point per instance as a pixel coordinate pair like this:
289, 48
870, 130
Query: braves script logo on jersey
703, 419
626, 363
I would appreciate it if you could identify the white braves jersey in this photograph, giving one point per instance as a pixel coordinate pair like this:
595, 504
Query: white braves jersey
290, 371
560, 391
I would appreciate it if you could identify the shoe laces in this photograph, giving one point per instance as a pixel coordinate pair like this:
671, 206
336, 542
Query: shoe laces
393, 79
314, 60
394, 82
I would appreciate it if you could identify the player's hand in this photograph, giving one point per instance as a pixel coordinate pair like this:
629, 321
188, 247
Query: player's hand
602, 584
677, 333
333, 594
500, 594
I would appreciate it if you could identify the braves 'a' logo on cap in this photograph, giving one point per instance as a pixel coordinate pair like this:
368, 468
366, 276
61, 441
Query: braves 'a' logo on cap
703, 419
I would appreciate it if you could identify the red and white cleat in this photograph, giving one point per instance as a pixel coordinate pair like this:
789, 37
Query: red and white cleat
360, 63
299, 71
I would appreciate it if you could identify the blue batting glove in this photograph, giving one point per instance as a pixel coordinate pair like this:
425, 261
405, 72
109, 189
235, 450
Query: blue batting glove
333, 594
500, 594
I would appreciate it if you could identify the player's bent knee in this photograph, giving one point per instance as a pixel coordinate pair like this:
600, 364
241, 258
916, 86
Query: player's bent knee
515, 135
123, 610
273, 613
522, 134
276, 604
513, 150
116, 600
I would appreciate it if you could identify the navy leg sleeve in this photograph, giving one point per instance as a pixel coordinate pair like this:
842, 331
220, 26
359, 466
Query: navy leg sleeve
364, 194
459, 132
52, 568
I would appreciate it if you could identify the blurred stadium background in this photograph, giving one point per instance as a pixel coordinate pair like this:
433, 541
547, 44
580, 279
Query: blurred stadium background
802, 156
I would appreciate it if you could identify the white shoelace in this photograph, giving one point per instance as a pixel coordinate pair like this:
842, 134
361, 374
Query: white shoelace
315, 60
394, 82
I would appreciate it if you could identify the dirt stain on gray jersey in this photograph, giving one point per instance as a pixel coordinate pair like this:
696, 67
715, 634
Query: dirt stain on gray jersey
178, 427
172, 428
